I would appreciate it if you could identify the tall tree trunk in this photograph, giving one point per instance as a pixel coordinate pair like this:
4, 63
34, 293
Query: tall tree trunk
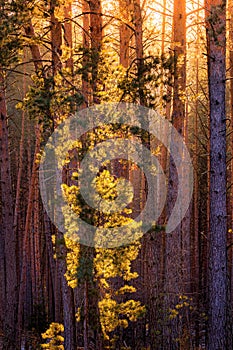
20, 166
56, 38
217, 279
34, 48
38, 297
137, 21
53, 300
37, 60
230, 192
86, 47
194, 240
8, 234
24, 278
67, 300
86, 321
176, 245
125, 32
68, 34
92, 38
67, 292
96, 33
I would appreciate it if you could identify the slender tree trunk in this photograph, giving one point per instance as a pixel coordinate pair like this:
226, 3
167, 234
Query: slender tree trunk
176, 245
24, 279
230, 192
2, 282
67, 292
231, 108
216, 40
96, 32
8, 234
137, 21
86, 311
68, 34
56, 39
195, 228
34, 48
37, 60
20, 169
53, 292
86, 47
37, 299
68, 302
93, 36
125, 32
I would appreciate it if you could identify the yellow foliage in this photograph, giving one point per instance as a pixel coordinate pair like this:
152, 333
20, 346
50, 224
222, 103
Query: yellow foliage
78, 315
53, 336
108, 263
184, 302
173, 313
126, 289
110, 312
72, 261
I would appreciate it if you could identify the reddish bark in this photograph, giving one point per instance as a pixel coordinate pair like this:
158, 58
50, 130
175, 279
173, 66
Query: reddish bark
96, 34
8, 246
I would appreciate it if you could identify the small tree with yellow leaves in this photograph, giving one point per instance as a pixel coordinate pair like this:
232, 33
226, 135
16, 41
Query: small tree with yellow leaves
54, 338
116, 309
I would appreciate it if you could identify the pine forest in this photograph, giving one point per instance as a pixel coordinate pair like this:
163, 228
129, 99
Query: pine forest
116, 174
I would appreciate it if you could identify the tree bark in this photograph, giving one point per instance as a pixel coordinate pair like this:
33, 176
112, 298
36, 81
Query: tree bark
176, 262
8, 234
216, 41
56, 39
86, 47
67, 292
137, 21
68, 34
34, 48
125, 32
96, 33
230, 192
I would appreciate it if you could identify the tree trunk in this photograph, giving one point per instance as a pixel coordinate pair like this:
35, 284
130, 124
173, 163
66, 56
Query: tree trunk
34, 48
67, 292
68, 35
8, 234
194, 239
25, 284
176, 241
230, 192
137, 21
56, 39
216, 40
37, 61
125, 32
86, 47
96, 29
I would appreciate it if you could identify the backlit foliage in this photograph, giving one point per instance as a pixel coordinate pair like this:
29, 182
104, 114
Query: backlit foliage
115, 307
54, 338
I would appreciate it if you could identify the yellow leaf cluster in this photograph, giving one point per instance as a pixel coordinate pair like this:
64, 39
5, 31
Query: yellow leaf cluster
53, 336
